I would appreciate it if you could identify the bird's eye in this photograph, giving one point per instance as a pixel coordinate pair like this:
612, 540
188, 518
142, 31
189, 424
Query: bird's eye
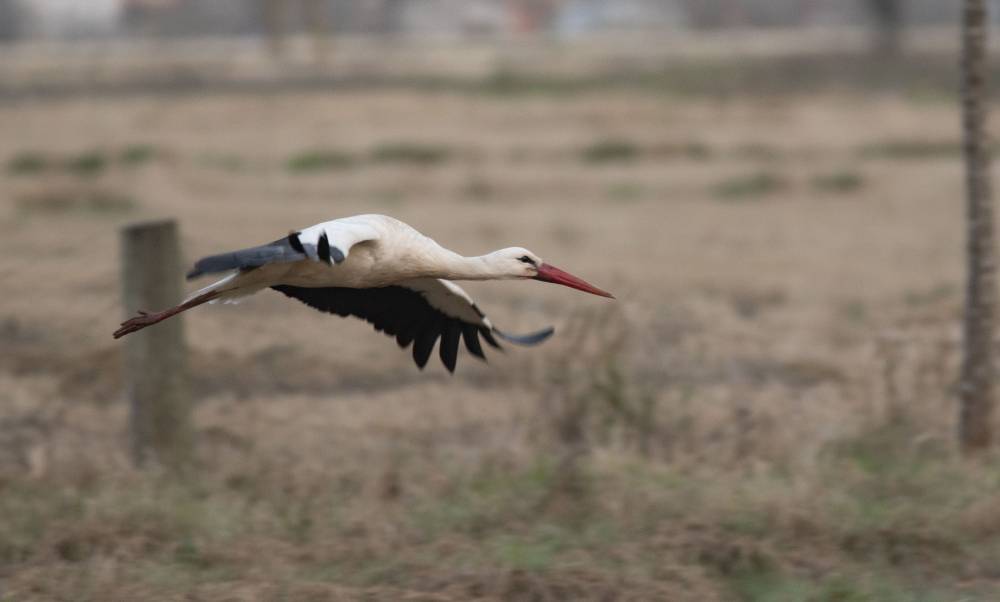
526, 259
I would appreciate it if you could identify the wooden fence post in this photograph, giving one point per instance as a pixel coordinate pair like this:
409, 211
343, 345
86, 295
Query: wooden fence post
155, 358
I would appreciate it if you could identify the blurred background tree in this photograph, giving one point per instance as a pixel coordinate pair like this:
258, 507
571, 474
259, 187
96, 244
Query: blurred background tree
978, 378
888, 17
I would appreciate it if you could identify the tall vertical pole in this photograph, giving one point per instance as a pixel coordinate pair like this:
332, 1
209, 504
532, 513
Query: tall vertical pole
977, 383
155, 358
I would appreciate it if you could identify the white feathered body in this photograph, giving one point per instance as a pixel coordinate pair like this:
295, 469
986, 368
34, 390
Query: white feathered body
379, 251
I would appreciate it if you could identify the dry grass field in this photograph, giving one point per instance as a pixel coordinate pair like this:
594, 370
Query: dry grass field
766, 413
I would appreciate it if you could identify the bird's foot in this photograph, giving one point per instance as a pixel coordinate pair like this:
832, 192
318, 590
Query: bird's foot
142, 320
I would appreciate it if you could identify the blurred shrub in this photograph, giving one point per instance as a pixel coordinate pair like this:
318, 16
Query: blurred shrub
137, 155
320, 160
28, 163
598, 395
88, 163
72, 200
610, 150
410, 152
749, 186
692, 150
840, 182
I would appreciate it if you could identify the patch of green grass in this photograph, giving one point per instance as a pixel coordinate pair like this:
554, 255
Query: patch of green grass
490, 499
692, 150
76, 201
749, 186
935, 294
881, 451
410, 152
28, 163
320, 160
625, 192
910, 149
508, 83
838, 182
769, 586
87, 164
772, 586
748, 521
610, 150
179, 575
900, 498
137, 155
26, 512
534, 553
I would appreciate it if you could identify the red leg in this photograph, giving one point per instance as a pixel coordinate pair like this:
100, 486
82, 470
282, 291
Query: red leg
145, 319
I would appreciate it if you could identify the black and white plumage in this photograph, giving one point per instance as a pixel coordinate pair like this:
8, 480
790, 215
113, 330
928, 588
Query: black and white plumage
405, 313
383, 271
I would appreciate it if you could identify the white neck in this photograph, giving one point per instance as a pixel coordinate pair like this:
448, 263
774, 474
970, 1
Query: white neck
449, 265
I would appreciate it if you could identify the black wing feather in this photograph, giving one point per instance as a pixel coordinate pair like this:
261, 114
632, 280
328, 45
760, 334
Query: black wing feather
489, 337
323, 249
471, 336
424, 344
448, 350
405, 335
407, 315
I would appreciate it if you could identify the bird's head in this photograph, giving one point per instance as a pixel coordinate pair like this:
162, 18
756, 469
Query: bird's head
517, 262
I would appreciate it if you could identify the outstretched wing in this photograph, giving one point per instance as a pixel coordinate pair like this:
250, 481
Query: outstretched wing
417, 312
330, 242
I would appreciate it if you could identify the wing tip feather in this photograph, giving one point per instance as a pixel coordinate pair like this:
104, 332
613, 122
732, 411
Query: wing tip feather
526, 340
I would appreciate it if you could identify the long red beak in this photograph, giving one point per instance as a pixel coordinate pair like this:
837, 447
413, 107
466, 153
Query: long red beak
549, 273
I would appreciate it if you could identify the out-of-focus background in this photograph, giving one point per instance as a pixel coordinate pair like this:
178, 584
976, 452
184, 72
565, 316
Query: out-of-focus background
773, 189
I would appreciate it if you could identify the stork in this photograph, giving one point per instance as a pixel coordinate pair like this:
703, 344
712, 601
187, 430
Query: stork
381, 270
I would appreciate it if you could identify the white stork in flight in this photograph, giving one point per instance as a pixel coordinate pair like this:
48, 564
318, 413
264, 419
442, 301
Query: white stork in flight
381, 270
